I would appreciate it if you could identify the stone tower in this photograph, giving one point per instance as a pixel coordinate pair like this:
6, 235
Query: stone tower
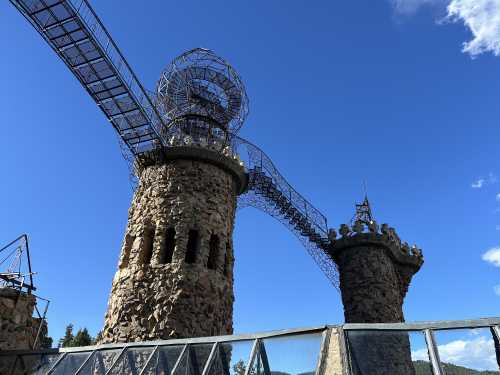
375, 270
175, 273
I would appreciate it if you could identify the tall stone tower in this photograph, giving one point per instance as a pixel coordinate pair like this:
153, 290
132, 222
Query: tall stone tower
175, 273
375, 270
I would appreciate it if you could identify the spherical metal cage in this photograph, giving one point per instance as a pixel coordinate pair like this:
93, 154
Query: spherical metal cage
201, 84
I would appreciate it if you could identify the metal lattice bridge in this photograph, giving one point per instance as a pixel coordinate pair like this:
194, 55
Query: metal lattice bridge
199, 99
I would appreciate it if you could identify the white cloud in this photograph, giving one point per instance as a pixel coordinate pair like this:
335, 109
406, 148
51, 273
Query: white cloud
481, 17
496, 289
420, 355
492, 256
478, 353
498, 197
478, 184
483, 181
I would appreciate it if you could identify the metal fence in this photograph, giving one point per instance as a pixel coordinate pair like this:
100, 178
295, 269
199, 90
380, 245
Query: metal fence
396, 349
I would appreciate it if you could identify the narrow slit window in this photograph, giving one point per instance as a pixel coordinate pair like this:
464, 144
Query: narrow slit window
168, 251
227, 258
147, 249
213, 253
192, 246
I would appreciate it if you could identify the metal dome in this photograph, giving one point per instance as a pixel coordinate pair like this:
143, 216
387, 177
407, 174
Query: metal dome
201, 85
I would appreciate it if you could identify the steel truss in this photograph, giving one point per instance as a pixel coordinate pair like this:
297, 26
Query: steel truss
16, 272
270, 192
144, 121
79, 38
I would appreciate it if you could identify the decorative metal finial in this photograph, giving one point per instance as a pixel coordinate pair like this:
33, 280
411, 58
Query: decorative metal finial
363, 213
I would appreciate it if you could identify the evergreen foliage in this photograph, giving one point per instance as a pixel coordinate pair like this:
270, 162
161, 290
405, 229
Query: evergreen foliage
68, 337
82, 338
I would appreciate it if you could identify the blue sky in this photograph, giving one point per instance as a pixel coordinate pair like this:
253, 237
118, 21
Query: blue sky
340, 92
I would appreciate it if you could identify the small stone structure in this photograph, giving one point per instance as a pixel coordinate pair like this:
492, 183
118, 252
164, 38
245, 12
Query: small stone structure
18, 327
375, 270
175, 273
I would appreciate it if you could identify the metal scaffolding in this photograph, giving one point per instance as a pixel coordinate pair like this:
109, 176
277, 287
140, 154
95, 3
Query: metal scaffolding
199, 100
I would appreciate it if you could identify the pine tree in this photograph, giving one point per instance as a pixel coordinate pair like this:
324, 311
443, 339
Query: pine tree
97, 338
68, 337
82, 338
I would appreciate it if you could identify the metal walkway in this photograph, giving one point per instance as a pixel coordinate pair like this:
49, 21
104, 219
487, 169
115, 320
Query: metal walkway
264, 186
78, 37
271, 193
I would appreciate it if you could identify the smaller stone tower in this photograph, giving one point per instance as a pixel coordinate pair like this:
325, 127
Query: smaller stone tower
375, 270
18, 327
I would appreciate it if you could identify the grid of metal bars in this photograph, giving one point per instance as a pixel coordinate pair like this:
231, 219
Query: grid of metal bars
78, 37
270, 192
204, 356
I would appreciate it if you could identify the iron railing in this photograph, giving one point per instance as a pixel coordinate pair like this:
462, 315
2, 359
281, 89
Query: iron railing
256, 354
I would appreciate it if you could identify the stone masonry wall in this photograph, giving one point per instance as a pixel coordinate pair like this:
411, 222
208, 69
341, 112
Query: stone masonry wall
153, 297
370, 286
18, 328
375, 272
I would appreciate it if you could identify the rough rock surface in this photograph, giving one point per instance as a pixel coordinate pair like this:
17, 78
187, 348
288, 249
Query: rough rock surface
155, 297
333, 362
375, 273
18, 328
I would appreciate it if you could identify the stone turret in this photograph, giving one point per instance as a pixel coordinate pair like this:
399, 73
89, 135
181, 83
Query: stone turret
375, 270
175, 273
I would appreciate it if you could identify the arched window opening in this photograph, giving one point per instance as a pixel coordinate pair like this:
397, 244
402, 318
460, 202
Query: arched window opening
127, 247
192, 246
227, 258
168, 251
147, 246
213, 252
